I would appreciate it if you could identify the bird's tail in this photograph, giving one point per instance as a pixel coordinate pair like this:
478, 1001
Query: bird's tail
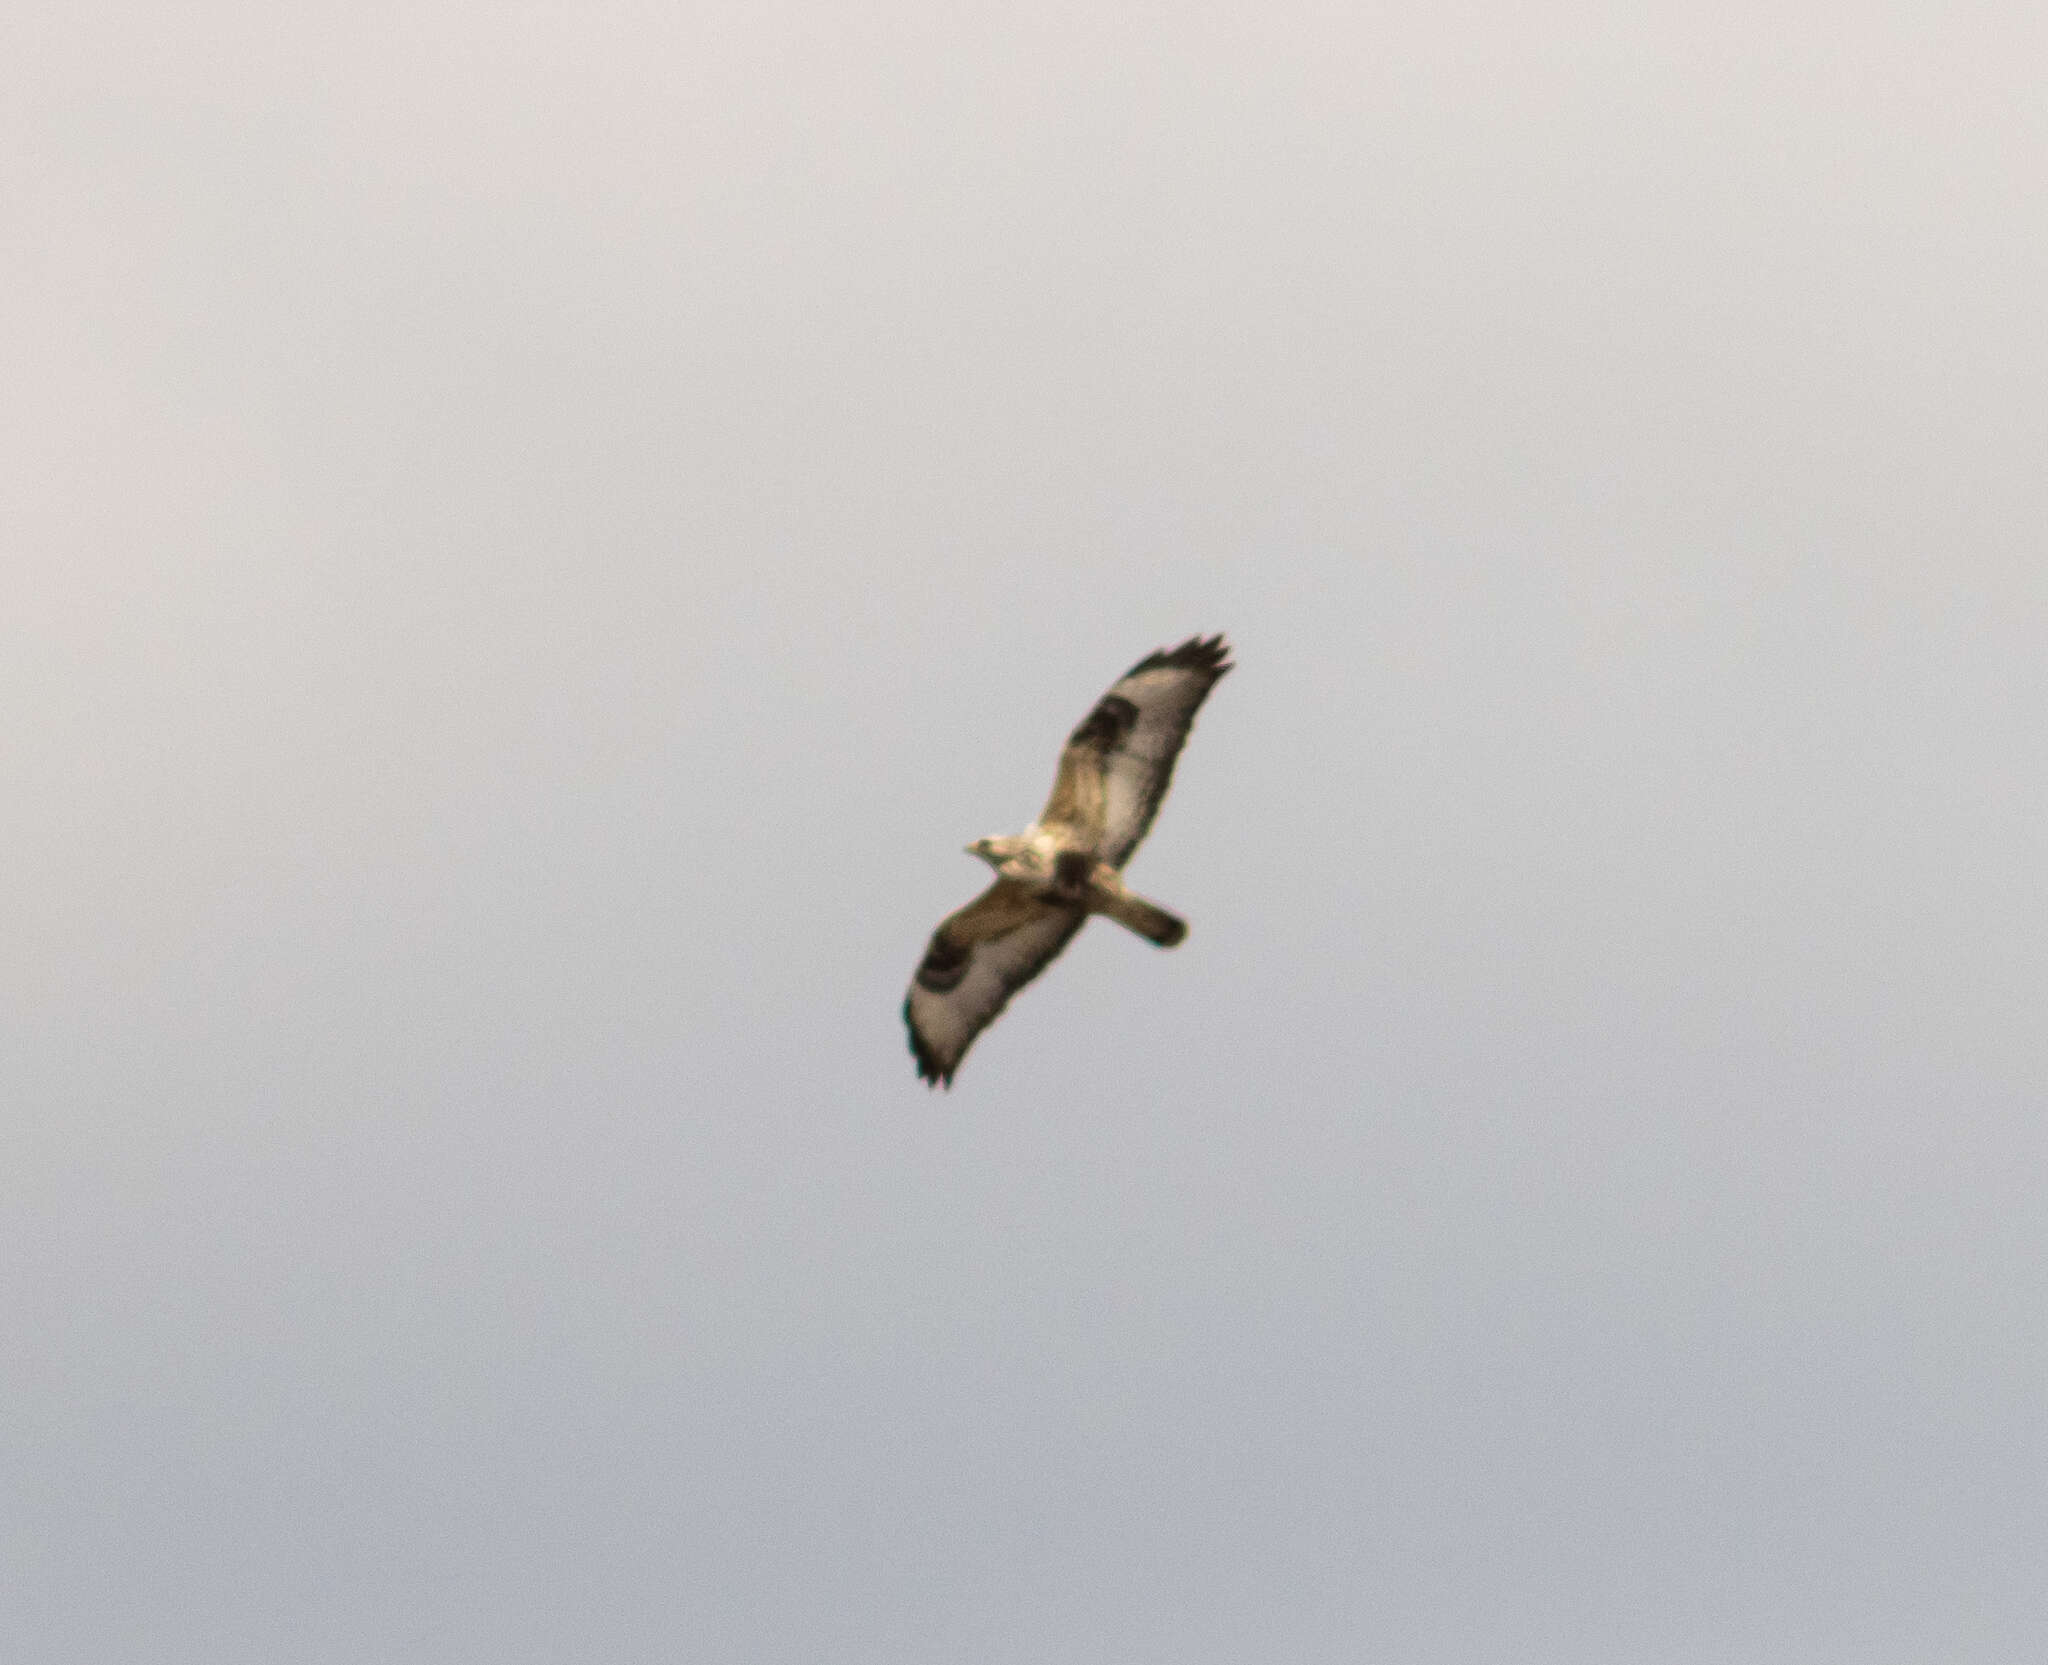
1148, 919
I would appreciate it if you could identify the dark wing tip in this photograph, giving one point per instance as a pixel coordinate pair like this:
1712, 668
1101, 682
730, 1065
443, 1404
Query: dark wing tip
1209, 655
928, 1069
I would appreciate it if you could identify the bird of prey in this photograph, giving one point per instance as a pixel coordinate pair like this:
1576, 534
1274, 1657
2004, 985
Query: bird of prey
1113, 773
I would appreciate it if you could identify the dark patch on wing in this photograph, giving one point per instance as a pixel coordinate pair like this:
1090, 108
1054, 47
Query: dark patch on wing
1206, 654
927, 1060
944, 963
1108, 723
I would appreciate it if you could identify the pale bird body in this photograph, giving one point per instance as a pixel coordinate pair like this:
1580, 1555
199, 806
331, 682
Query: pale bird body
1026, 856
1113, 775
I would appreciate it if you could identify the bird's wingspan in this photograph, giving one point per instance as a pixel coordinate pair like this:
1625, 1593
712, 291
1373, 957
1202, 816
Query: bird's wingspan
976, 960
1117, 765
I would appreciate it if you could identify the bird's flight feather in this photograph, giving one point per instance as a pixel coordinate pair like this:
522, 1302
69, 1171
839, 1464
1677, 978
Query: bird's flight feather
1118, 764
977, 959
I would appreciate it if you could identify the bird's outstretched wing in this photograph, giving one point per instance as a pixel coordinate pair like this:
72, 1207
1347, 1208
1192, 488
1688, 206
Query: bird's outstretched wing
1118, 764
977, 959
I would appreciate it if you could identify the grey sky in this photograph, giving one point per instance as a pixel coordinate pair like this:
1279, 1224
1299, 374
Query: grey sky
533, 535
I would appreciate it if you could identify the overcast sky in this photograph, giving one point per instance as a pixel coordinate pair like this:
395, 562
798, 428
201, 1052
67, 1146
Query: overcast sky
532, 536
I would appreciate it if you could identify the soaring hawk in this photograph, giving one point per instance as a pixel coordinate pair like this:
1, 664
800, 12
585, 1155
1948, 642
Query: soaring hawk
1050, 877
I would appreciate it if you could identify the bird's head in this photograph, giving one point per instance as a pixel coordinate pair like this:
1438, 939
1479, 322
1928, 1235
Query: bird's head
989, 850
